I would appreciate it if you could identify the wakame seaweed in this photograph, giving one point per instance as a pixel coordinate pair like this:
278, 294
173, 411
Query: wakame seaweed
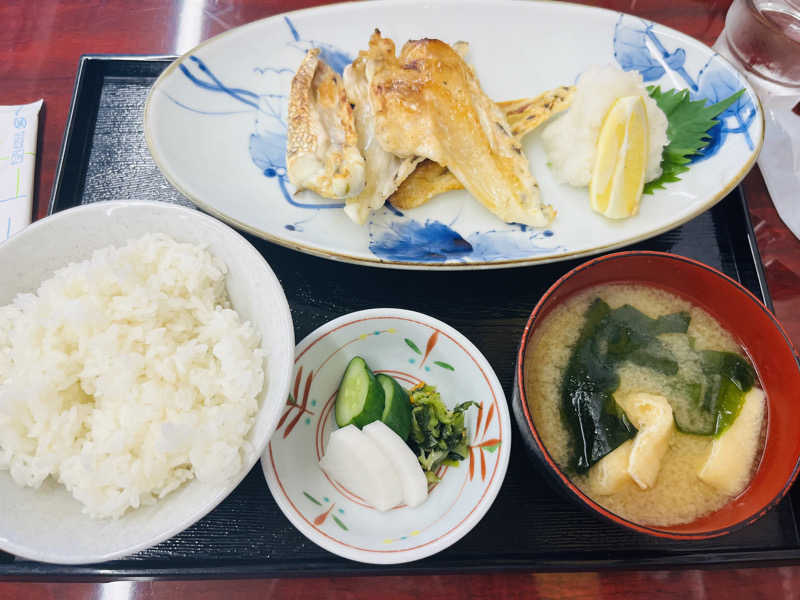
609, 337
715, 402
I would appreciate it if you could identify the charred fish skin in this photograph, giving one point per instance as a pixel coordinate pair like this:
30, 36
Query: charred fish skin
321, 150
428, 102
526, 114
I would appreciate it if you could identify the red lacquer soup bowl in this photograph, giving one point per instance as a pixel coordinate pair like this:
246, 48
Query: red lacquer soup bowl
759, 334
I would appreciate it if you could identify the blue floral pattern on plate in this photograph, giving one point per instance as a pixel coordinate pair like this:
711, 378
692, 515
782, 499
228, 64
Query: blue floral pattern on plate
637, 47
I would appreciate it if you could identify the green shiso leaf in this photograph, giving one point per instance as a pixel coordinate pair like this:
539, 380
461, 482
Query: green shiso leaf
688, 123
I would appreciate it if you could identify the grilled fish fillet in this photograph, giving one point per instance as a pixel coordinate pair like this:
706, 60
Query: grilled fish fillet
321, 148
431, 179
384, 171
428, 102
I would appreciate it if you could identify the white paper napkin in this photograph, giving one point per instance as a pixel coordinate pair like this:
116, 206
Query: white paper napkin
18, 135
779, 160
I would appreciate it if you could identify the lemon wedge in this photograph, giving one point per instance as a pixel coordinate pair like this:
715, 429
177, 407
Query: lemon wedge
619, 169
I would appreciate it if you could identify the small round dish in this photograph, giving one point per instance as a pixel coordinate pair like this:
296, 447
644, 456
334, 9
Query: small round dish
47, 524
760, 335
411, 347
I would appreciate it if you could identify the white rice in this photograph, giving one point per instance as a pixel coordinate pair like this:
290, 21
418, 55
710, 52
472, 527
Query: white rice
571, 140
126, 375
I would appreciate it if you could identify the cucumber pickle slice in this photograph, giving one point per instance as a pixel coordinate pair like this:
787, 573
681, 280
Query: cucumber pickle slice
360, 398
397, 406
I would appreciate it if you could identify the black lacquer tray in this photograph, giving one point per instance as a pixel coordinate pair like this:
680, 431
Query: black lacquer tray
104, 157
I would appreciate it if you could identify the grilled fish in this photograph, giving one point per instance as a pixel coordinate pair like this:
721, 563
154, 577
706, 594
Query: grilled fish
384, 171
428, 102
322, 153
430, 179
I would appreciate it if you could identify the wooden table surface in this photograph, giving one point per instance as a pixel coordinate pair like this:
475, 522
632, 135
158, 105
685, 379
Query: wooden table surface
40, 43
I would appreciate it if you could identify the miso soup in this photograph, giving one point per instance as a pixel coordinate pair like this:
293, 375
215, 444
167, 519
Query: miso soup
646, 402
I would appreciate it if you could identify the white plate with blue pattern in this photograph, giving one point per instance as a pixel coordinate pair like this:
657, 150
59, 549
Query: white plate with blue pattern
215, 122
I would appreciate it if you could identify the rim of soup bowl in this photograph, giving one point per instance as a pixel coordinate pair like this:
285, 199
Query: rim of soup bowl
528, 429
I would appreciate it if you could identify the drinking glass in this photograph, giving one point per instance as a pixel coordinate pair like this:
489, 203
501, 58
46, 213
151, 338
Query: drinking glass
763, 36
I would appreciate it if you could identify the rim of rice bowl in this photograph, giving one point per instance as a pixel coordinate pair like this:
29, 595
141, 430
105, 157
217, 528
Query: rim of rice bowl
31, 257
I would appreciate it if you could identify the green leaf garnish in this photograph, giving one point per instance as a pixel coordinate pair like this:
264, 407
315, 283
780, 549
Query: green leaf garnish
688, 123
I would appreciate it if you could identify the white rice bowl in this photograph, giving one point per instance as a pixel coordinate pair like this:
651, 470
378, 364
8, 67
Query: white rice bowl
178, 452
571, 139
127, 374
